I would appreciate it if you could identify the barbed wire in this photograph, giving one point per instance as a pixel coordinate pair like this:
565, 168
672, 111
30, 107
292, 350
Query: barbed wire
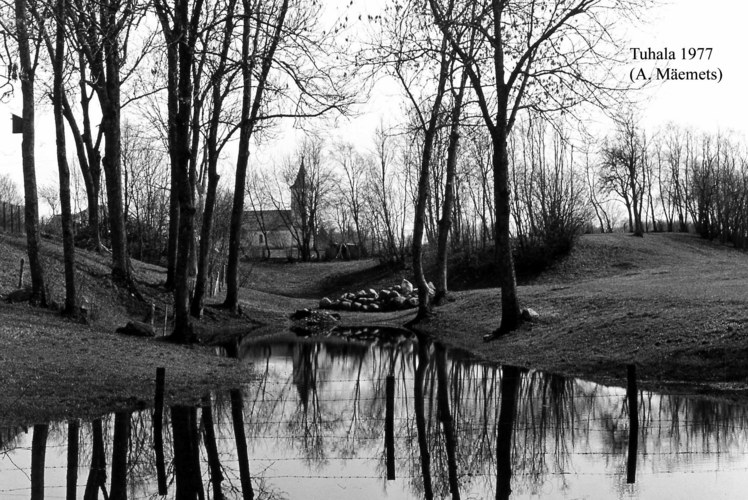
491, 474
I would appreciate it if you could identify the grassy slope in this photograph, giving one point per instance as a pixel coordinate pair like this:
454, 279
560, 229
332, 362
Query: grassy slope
673, 304
54, 368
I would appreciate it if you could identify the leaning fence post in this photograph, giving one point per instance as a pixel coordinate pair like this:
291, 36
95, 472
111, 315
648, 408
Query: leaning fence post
166, 315
20, 275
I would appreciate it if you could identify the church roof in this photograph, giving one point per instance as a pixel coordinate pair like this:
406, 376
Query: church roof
271, 220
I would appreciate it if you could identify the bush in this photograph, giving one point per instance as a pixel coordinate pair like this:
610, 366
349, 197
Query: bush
535, 252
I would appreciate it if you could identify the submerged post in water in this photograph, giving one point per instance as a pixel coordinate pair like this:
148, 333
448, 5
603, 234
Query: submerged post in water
389, 426
633, 403
158, 437
72, 472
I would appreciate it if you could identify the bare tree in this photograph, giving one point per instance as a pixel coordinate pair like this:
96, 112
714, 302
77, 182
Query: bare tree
103, 30
381, 188
598, 206
9, 190
50, 194
549, 205
58, 61
146, 182
262, 50
445, 222
546, 55
213, 150
624, 166
352, 189
27, 68
307, 81
179, 26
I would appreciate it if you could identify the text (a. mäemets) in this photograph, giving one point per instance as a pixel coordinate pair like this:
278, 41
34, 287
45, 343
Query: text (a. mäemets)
675, 74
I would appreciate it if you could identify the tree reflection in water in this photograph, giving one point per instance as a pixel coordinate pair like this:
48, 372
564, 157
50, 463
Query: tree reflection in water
335, 418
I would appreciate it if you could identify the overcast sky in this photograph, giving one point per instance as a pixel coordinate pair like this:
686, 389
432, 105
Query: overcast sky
705, 105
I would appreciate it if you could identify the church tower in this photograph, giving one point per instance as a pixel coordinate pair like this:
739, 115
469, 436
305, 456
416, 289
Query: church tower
299, 197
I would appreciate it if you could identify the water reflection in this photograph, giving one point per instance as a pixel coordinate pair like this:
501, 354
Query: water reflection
341, 417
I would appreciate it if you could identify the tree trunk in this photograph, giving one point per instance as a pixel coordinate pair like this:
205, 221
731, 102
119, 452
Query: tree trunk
97, 471
173, 241
89, 161
68, 243
38, 454
186, 453
31, 209
510, 379
172, 105
120, 446
248, 121
213, 177
109, 98
445, 223
419, 404
420, 416
211, 449
419, 223
206, 238
510, 311
185, 191
445, 416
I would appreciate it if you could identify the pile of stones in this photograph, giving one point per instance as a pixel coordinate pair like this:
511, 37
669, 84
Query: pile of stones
396, 298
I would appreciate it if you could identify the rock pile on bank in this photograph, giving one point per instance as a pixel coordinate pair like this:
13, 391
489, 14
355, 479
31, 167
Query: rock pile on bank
396, 298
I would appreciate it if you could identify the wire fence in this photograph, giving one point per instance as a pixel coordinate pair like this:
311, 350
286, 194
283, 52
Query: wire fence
12, 218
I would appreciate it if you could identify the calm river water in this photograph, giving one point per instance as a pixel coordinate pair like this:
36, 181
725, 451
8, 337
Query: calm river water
337, 418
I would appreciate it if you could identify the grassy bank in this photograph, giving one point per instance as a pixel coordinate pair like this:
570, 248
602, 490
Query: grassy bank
54, 368
673, 304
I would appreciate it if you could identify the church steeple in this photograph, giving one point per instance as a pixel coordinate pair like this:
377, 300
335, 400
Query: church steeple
300, 182
299, 195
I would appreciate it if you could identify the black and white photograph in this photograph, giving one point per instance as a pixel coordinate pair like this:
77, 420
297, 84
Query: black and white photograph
373, 249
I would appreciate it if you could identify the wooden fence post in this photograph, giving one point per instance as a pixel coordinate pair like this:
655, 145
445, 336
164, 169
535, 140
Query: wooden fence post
158, 422
632, 398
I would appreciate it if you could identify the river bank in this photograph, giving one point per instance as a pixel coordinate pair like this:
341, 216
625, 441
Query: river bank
674, 305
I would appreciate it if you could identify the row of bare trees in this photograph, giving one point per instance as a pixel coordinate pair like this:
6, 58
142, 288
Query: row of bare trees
500, 59
675, 179
217, 70
476, 164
